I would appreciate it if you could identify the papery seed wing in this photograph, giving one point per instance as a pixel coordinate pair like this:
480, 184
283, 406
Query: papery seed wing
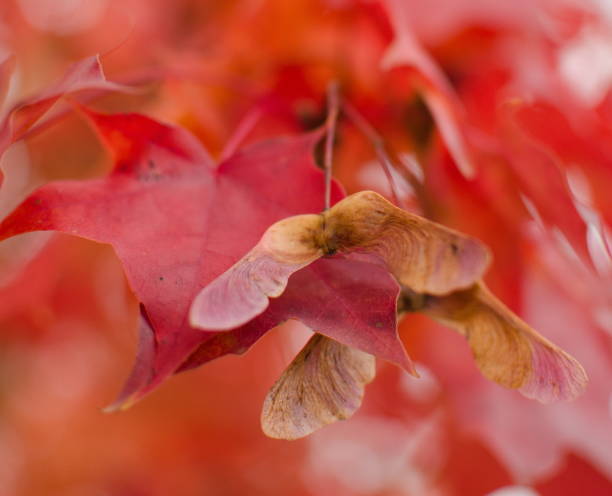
422, 255
242, 292
324, 383
506, 349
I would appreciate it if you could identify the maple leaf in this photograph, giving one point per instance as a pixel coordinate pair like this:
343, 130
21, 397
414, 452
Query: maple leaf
445, 107
7, 66
176, 221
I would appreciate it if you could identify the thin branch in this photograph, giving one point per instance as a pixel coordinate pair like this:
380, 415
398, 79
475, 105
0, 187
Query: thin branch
379, 147
385, 160
330, 127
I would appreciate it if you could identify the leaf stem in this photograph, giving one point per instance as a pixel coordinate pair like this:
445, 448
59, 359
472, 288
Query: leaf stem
330, 126
385, 160
379, 146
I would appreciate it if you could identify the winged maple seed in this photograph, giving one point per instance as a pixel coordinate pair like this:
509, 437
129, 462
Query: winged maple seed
324, 383
421, 255
505, 348
440, 272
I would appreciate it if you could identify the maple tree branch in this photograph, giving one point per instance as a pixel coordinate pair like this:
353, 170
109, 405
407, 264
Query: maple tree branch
330, 126
379, 146
385, 160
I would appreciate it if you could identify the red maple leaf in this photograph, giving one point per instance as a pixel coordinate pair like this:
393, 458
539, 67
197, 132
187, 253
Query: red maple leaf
176, 221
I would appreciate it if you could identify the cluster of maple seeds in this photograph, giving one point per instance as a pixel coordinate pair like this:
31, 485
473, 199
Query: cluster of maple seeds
441, 267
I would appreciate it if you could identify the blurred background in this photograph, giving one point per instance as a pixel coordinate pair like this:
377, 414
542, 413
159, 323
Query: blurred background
498, 118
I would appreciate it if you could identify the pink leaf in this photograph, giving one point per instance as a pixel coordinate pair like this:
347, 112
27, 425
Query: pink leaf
7, 66
86, 74
438, 93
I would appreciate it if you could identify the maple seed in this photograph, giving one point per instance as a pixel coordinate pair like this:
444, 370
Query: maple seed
506, 349
422, 255
324, 383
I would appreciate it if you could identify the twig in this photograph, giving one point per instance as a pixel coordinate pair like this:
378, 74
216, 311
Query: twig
330, 127
385, 160
379, 147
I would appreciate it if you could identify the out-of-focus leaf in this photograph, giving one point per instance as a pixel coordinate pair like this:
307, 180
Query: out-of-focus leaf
6, 71
438, 93
86, 74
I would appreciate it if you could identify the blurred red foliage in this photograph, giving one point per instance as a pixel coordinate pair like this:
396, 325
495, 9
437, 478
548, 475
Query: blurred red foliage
517, 90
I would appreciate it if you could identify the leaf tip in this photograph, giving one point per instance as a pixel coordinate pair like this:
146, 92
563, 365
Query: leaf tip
121, 405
